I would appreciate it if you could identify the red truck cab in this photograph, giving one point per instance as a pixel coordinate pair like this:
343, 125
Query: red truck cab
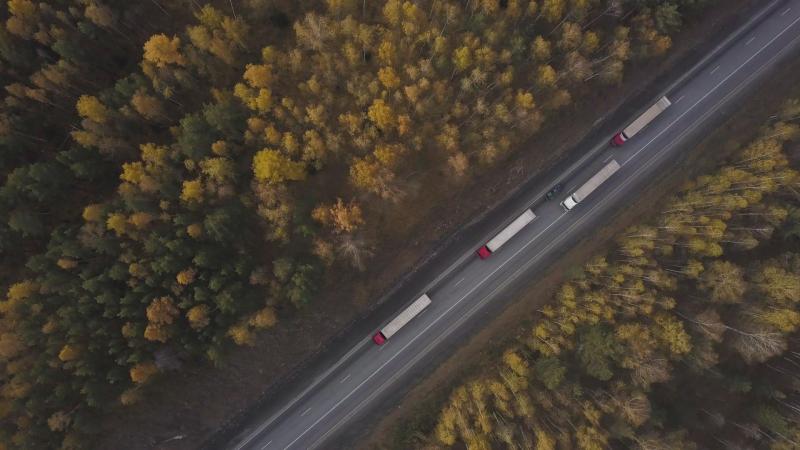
378, 338
618, 139
484, 252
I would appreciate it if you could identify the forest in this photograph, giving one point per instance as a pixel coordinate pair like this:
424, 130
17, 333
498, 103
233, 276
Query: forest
178, 175
684, 335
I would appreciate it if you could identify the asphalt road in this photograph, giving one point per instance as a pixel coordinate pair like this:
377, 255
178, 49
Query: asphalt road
359, 383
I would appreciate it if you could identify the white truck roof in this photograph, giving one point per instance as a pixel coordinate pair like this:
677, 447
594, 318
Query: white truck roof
513, 228
404, 317
597, 179
646, 117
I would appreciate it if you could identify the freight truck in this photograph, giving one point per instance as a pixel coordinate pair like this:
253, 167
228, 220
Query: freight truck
507, 233
402, 319
641, 122
589, 187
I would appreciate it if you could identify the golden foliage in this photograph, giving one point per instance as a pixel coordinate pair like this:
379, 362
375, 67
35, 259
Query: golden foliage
258, 75
22, 290
140, 219
198, 317
242, 335
148, 106
186, 276
156, 332
162, 51
264, 318
220, 148
272, 167
381, 114
129, 330
91, 108
68, 353
346, 218
117, 223
162, 310
142, 372
192, 191
93, 213
194, 230
66, 263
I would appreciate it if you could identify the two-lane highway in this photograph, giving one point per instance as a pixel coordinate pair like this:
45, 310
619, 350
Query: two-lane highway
352, 387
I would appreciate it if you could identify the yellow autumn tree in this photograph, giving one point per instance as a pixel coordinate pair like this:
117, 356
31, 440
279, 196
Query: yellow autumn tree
149, 106
258, 75
162, 50
142, 372
242, 335
194, 230
68, 353
388, 77
198, 316
118, 223
270, 166
140, 219
162, 310
66, 263
92, 108
186, 276
93, 213
381, 114
346, 218
264, 318
192, 191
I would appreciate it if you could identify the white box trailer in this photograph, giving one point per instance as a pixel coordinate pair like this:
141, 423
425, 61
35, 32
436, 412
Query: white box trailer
402, 319
593, 183
637, 125
506, 234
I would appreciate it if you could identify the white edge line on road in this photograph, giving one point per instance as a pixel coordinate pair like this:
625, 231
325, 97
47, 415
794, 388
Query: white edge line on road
535, 258
724, 44
319, 379
714, 89
693, 71
468, 255
611, 196
414, 338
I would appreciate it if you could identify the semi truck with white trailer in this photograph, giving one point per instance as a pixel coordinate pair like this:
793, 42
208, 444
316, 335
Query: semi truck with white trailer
637, 125
592, 184
506, 234
401, 319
